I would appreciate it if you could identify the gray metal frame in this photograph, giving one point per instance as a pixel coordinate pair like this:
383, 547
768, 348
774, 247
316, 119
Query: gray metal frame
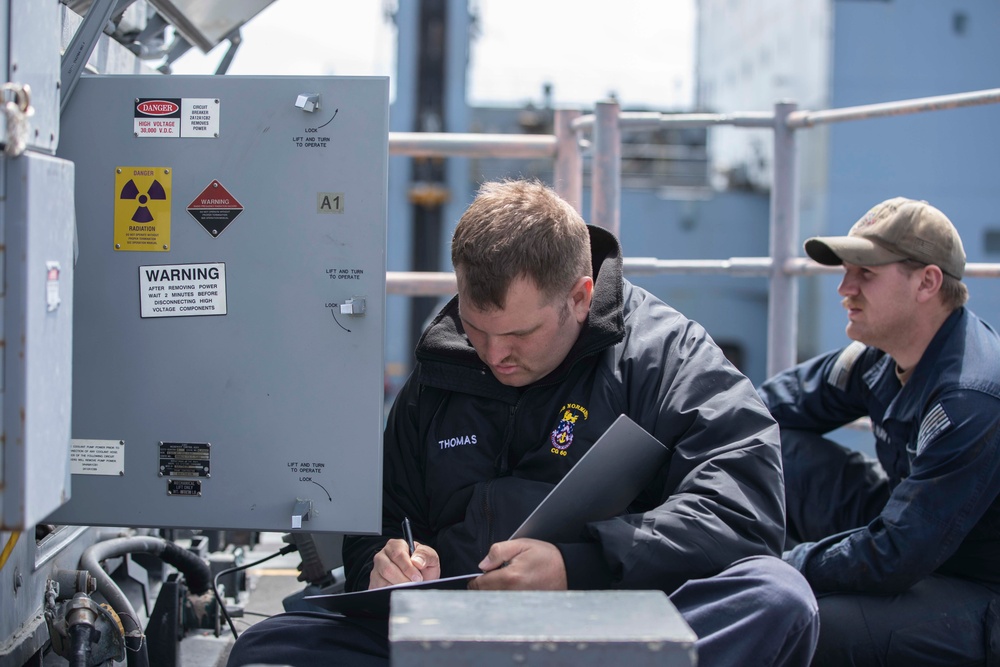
605, 126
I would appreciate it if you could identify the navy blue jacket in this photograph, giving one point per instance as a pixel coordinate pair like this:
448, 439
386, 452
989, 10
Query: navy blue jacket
938, 439
467, 458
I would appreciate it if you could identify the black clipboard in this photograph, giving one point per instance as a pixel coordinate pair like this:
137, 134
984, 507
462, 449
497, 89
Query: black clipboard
600, 486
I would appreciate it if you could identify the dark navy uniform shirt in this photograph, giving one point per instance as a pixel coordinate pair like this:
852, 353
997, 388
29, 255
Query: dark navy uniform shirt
938, 439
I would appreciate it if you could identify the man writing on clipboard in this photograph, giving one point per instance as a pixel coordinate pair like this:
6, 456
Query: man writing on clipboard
544, 346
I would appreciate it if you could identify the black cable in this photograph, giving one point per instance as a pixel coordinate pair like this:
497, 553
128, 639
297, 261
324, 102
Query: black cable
215, 582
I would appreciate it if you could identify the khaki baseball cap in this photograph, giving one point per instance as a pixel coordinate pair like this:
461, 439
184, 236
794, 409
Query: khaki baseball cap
892, 231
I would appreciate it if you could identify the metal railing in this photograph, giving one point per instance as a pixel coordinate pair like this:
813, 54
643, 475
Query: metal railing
601, 133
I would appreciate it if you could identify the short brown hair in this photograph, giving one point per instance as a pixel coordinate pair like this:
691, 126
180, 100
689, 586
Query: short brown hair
954, 293
515, 229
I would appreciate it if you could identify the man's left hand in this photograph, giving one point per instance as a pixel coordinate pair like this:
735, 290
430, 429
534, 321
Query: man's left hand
522, 564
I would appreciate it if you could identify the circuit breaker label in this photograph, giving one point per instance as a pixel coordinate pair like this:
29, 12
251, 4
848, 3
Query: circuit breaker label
182, 290
200, 117
185, 459
168, 117
142, 208
215, 208
97, 457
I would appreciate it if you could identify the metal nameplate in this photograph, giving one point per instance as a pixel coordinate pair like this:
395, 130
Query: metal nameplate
185, 459
183, 487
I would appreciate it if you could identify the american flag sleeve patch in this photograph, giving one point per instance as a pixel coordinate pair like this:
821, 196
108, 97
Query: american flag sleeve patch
935, 423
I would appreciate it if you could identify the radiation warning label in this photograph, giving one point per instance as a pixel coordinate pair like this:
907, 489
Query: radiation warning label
142, 209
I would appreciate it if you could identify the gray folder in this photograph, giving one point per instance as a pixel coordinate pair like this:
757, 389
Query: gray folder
601, 484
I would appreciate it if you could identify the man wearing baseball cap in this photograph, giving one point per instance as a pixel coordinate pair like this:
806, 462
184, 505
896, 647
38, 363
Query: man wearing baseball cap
903, 552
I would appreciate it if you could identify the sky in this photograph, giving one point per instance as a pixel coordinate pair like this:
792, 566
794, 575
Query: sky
641, 51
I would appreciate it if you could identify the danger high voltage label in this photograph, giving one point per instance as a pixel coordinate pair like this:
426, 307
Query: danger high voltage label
166, 117
182, 290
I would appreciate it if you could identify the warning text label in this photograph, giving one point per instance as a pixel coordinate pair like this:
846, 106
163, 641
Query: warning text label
182, 290
97, 457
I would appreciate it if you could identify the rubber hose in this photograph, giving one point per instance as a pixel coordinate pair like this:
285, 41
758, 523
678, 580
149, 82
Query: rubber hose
197, 573
91, 560
79, 638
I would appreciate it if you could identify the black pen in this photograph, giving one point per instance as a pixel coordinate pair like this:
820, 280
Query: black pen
408, 534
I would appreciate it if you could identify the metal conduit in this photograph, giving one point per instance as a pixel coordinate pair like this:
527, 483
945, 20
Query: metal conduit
606, 170
783, 240
458, 144
634, 120
567, 175
918, 105
442, 283
801, 266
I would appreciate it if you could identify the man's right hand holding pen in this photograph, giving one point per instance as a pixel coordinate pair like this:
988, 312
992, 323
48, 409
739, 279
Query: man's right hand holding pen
533, 565
402, 560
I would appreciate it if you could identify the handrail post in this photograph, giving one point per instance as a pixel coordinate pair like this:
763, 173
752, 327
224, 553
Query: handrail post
606, 168
568, 169
782, 304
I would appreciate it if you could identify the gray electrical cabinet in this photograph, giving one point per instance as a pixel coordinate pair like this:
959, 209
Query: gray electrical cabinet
36, 264
229, 301
37, 222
